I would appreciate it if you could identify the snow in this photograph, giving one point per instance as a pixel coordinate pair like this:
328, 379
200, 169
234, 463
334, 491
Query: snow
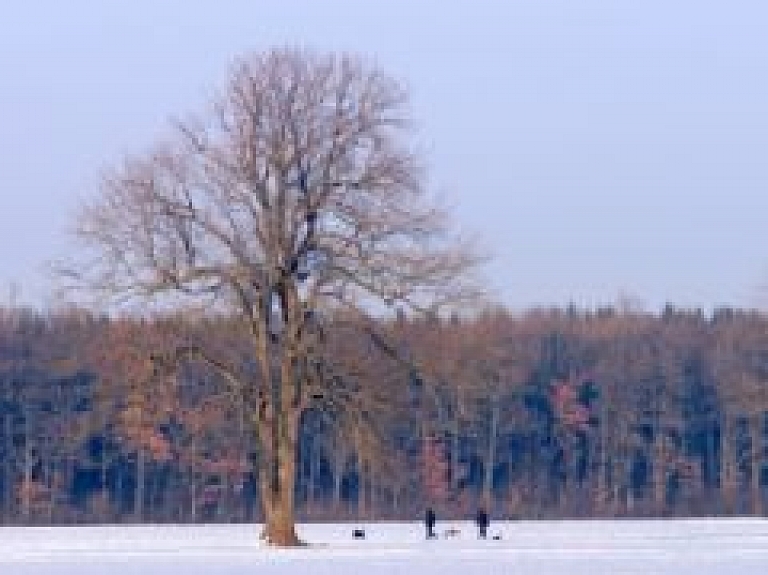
701, 547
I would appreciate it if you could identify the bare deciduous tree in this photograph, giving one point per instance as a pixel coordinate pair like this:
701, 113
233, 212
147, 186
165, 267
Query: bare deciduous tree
297, 194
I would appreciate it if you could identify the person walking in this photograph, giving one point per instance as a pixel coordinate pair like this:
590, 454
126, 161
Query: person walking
429, 521
483, 521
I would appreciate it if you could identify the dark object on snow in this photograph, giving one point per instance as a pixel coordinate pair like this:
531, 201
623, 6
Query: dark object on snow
482, 520
497, 537
429, 521
453, 532
358, 533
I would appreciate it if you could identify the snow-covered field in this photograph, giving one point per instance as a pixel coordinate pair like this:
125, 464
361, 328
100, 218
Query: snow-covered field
700, 547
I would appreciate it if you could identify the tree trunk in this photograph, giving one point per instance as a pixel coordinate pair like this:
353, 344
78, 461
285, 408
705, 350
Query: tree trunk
138, 502
278, 481
756, 467
8, 471
728, 477
279, 504
361, 490
25, 498
311, 503
659, 473
602, 488
490, 458
338, 460
455, 457
337, 484
395, 501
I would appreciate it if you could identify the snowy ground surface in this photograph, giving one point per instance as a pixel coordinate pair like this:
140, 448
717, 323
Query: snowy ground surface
700, 547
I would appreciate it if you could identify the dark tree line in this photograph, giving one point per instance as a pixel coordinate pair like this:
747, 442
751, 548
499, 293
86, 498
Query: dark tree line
552, 413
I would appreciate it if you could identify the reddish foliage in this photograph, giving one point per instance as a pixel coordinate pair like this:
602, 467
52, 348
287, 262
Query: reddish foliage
568, 408
33, 491
435, 469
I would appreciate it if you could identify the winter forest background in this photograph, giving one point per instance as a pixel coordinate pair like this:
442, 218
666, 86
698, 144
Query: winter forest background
547, 414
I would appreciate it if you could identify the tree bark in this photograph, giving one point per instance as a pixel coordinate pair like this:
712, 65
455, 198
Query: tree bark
25, 499
490, 457
138, 503
279, 501
659, 473
728, 478
278, 477
756, 467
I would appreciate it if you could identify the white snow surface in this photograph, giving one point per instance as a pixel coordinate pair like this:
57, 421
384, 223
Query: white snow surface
671, 547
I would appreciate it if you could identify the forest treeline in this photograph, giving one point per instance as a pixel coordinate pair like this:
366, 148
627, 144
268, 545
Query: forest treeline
543, 414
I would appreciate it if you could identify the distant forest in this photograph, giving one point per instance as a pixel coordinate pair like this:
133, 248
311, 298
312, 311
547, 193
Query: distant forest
544, 414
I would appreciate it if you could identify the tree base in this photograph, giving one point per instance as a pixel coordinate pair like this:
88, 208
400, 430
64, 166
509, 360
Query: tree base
281, 537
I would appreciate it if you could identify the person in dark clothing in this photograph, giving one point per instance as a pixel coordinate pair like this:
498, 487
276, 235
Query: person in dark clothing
483, 522
429, 521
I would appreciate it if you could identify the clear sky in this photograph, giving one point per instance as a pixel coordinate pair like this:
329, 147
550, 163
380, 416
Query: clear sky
598, 147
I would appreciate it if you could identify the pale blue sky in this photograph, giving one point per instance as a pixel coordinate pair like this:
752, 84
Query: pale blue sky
597, 146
